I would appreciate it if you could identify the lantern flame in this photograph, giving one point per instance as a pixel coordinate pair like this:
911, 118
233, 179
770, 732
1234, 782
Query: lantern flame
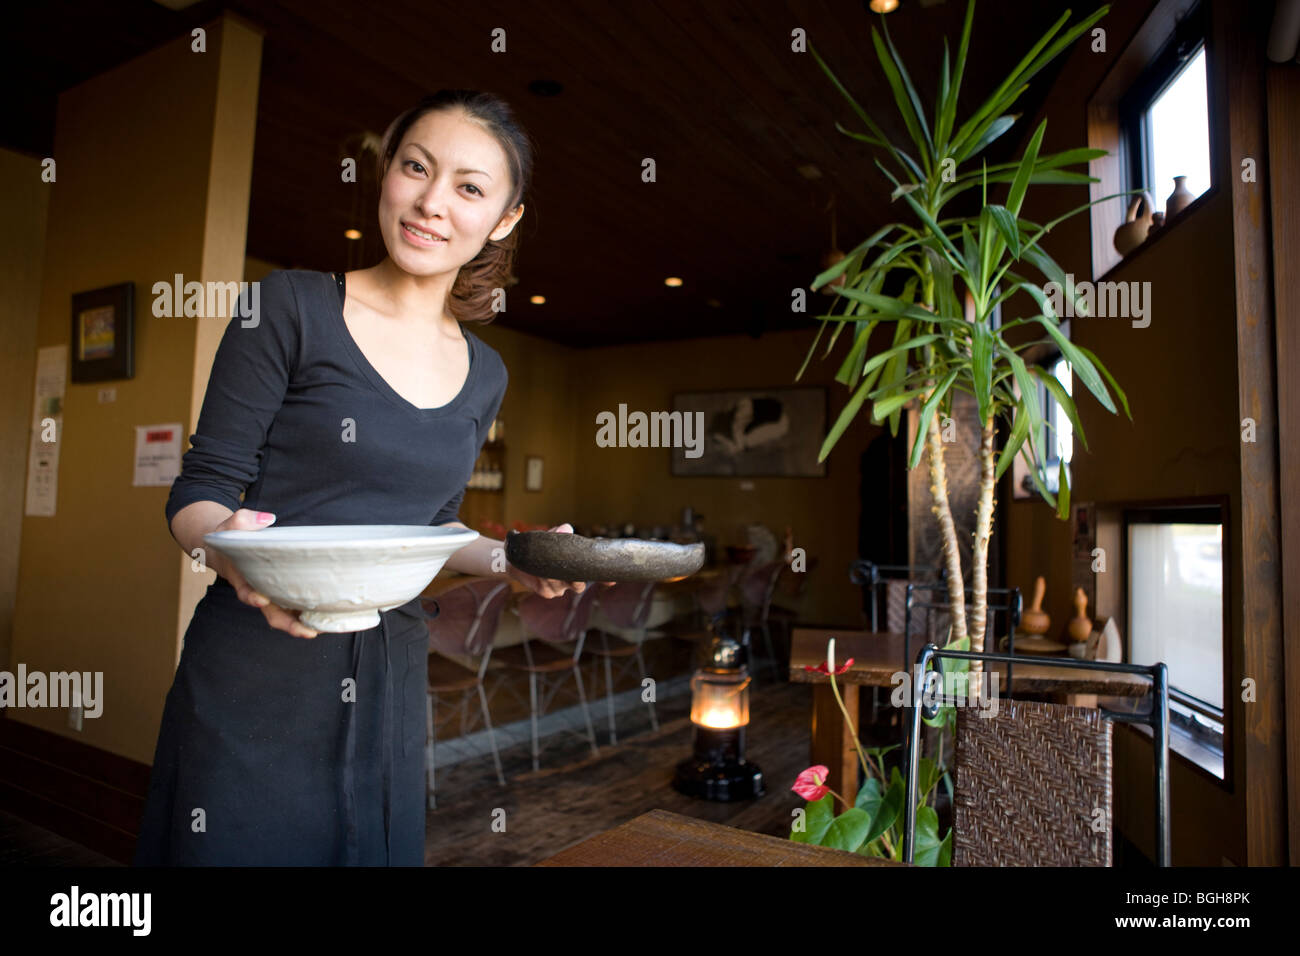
719, 717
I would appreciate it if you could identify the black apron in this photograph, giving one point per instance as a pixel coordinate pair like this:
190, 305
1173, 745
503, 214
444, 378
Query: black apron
285, 751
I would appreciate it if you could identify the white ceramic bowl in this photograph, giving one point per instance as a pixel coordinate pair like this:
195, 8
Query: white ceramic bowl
340, 576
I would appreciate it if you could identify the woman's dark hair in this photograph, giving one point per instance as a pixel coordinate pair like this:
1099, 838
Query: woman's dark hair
471, 293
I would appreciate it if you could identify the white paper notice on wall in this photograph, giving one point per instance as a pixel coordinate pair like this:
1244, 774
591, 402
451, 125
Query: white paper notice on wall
47, 431
157, 455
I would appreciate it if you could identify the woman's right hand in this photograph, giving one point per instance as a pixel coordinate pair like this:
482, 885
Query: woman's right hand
245, 519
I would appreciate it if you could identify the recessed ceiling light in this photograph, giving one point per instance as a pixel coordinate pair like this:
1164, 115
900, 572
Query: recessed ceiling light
352, 234
537, 299
673, 281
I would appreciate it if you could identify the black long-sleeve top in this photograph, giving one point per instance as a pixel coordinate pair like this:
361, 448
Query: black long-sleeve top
298, 421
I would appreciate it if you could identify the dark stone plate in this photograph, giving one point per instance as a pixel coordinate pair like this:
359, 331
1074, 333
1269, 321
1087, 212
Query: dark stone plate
572, 557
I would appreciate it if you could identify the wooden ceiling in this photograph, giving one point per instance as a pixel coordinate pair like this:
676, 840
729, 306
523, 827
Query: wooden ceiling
710, 89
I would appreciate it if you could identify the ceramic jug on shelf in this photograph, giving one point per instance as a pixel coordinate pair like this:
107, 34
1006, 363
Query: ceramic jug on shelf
1179, 199
1137, 223
1035, 620
1081, 624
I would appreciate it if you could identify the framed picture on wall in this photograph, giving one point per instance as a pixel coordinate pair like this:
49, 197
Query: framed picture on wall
753, 432
103, 334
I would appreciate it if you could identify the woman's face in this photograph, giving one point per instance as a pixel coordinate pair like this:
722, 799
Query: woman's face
449, 178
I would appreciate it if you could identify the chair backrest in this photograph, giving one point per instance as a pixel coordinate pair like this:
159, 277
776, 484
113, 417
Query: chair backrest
712, 594
794, 585
756, 587
1043, 761
582, 605
627, 603
897, 619
558, 620
1032, 780
872, 578
467, 617
932, 601
546, 619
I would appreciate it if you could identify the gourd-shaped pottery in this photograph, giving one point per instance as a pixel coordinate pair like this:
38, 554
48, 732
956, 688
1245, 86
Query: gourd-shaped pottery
1035, 620
1137, 223
1080, 624
1179, 199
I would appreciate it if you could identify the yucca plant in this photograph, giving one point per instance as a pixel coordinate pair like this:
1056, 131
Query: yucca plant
937, 348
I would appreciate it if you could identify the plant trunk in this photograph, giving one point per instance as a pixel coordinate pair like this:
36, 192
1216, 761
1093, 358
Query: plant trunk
951, 553
980, 554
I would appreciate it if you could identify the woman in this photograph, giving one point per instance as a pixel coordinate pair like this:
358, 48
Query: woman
357, 399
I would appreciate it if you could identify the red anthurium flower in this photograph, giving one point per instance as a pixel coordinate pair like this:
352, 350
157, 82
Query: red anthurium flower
824, 668
811, 784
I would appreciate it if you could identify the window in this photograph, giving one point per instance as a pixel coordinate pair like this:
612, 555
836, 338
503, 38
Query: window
1059, 441
1180, 133
1056, 441
1165, 117
1175, 574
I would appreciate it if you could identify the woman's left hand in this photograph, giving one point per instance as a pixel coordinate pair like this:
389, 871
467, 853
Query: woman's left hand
549, 587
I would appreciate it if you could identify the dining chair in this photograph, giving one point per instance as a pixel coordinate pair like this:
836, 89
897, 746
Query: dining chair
1033, 778
891, 582
756, 587
555, 631
790, 585
877, 579
620, 631
462, 625
931, 598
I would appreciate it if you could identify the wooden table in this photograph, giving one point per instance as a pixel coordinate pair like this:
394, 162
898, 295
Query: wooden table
878, 656
661, 838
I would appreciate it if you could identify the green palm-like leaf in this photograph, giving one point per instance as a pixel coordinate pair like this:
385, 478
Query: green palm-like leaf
1019, 430
1080, 365
927, 412
1009, 228
1064, 400
1109, 378
982, 369
1062, 491
935, 352
1018, 185
905, 97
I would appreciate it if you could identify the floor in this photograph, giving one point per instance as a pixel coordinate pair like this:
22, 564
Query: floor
26, 844
576, 794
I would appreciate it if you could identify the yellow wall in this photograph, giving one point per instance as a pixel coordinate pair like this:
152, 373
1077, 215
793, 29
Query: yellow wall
538, 413
154, 161
24, 205
622, 484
